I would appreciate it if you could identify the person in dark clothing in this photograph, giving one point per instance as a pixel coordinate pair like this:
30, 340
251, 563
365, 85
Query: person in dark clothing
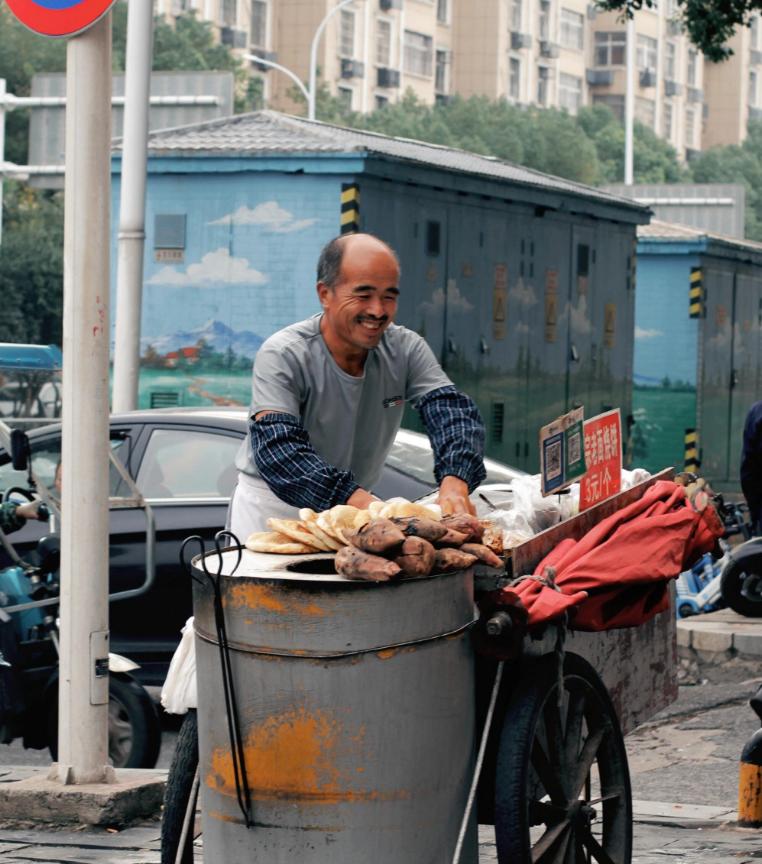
751, 465
13, 516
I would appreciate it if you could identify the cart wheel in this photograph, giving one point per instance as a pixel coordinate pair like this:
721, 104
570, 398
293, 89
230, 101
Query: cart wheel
178, 794
741, 587
562, 783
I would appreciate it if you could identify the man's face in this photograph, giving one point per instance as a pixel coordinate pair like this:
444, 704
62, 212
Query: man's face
363, 302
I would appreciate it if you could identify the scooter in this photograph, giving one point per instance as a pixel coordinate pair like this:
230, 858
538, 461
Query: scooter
741, 578
29, 669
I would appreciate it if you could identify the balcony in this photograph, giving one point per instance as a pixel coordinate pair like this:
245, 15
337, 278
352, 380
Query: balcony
647, 78
599, 77
548, 49
520, 40
352, 68
387, 77
672, 88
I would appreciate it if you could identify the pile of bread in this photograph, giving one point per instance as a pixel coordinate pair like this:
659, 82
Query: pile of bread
386, 541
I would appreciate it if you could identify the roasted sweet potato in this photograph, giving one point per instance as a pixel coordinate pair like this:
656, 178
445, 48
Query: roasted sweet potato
417, 526
466, 524
451, 538
355, 564
378, 537
483, 553
447, 560
416, 557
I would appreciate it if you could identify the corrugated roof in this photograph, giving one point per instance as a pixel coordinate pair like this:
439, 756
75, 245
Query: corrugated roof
269, 133
668, 231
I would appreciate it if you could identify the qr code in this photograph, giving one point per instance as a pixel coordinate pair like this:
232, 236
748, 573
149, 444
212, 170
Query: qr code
575, 448
553, 460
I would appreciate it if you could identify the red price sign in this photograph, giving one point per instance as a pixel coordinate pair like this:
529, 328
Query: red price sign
603, 457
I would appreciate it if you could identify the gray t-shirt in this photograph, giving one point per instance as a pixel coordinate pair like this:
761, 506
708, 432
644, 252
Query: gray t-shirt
351, 421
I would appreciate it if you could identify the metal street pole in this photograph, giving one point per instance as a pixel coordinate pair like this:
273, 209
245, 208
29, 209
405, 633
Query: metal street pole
292, 75
629, 100
83, 681
313, 56
132, 200
2, 149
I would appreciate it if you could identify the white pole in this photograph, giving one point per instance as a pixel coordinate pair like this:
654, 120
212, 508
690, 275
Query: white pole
2, 149
83, 682
629, 101
313, 56
132, 201
271, 64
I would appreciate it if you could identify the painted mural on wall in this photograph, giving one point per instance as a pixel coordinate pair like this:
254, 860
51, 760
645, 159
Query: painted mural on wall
246, 271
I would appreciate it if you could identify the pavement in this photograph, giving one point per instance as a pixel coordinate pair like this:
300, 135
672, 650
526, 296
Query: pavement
683, 765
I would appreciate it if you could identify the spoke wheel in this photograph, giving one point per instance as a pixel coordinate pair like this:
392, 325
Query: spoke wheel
741, 587
562, 793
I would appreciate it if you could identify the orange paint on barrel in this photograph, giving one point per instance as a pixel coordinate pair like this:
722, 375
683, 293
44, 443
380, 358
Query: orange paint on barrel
294, 755
750, 795
252, 595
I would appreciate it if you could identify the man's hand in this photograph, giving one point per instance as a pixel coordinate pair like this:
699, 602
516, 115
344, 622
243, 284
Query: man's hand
361, 499
453, 496
28, 510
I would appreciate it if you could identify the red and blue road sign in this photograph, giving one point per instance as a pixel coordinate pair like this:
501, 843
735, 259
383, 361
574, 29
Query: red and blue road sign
59, 17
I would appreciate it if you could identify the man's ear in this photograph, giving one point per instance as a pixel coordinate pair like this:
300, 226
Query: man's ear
323, 291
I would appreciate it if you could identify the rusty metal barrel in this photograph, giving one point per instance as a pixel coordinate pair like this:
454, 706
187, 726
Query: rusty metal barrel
356, 709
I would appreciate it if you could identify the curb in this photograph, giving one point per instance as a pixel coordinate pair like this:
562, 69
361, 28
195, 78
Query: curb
720, 633
681, 815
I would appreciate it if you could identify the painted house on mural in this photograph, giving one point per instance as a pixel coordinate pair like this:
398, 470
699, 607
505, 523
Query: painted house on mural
523, 284
698, 349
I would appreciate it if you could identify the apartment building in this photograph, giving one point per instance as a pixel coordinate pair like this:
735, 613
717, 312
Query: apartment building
549, 53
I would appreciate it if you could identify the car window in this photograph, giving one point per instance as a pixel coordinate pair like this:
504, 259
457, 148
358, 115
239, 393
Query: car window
418, 462
179, 463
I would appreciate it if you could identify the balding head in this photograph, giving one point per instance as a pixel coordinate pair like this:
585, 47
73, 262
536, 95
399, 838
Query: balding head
332, 255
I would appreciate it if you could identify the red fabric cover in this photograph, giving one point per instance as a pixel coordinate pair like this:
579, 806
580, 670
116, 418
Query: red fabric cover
617, 574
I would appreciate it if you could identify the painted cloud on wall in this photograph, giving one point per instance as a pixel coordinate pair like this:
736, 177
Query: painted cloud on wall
269, 215
643, 333
214, 268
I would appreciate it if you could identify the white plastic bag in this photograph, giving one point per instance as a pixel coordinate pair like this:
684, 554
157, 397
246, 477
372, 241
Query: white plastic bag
179, 692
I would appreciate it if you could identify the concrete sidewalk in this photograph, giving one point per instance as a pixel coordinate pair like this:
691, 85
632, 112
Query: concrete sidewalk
723, 632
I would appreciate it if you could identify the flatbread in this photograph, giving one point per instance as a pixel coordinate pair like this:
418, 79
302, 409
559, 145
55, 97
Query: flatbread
401, 509
309, 520
297, 531
325, 523
346, 519
275, 544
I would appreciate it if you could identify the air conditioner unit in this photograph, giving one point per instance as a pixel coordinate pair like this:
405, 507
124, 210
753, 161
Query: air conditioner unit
386, 5
647, 77
442, 98
233, 38
352, 68
672, 88
599, 77
695, 95
756, 57
265, 55
387, 77
548, 49
520, 40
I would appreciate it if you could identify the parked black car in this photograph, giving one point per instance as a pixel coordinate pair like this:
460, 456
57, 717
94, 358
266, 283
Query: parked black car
182, 460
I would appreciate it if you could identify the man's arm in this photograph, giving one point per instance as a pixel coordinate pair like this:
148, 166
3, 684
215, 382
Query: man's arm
456, 432
291, 467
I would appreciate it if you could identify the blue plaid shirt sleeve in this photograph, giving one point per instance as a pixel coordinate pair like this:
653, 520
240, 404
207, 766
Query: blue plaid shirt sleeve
456, 432
291, 467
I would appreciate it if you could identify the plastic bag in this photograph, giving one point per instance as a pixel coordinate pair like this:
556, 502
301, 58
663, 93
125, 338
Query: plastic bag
179, 692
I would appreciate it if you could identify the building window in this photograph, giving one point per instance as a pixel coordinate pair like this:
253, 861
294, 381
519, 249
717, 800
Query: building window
646, 52
543, 30
692, 67
609, 48
258, 34
690, 127
570, 92
229, 13
347, 34
443, 11
441, 82
645, 111
667, 122
615, 103
419, 53
543, 85
516, 15
670, 61
514, 78
754, 28
753, 88
672, 10
346, 96
383, 42
572, 30
381, 101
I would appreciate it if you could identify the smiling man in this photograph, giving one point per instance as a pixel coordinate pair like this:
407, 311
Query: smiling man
328, 396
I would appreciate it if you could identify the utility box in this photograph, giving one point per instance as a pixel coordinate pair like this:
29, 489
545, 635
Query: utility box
698, 349
522, 284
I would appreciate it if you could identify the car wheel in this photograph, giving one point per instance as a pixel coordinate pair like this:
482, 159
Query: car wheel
741, 588
180, 793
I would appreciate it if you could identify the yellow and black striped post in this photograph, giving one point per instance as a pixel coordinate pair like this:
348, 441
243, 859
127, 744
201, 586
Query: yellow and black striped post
350, 208
692, 461
696, 294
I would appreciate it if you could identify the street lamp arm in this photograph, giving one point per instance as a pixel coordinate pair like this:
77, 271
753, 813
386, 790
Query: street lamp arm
313, 56
292, 75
